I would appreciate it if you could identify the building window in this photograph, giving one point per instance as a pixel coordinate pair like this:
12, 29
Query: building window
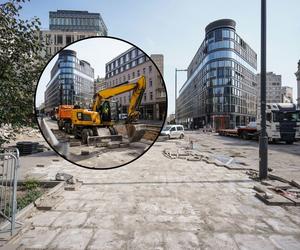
138, 73
133, 53
150, 82
218, 34
128, 77
59, 39
144, 71
133, 74
68, 39
151, 96
150, 68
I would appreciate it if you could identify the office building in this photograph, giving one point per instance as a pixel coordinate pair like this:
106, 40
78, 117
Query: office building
286, 94
71, 20
71, 82
132, 64
220, 89
99, 84
67, 26
298, 84
273, 88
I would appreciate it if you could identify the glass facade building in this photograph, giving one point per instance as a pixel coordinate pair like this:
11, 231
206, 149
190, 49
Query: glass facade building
70, 20
221, 86
72, 82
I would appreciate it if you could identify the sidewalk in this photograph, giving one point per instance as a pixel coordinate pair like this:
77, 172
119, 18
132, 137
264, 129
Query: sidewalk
159, 203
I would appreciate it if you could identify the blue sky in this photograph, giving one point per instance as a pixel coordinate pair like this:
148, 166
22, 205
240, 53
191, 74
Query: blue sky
176, 29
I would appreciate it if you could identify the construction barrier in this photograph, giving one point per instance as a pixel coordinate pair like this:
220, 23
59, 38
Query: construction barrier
9, 164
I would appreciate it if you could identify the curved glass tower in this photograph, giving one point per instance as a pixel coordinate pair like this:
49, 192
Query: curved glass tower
72, 82
221, 86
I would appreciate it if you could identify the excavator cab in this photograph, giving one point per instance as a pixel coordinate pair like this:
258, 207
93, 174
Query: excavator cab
105, 111
109, 111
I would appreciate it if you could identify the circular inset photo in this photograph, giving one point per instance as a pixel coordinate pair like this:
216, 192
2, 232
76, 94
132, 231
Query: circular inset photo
101, 102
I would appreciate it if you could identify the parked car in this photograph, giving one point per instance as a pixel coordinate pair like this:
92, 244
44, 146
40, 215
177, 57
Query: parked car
173, 131
123, 116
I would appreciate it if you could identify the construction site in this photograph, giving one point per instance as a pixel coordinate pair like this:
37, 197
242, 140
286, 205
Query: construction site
105, 151
102, 124
201, 191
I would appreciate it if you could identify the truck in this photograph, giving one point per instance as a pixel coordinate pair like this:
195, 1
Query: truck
64, 120
282, 122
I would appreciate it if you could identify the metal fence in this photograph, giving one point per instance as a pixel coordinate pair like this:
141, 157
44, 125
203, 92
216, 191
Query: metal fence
9, 164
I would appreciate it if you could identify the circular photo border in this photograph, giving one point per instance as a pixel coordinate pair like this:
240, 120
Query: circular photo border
101, 37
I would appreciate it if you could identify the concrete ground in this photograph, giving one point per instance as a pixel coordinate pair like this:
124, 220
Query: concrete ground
103, 157
283, 159
161, 203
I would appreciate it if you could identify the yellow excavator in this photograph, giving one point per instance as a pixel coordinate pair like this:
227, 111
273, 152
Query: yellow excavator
86, 123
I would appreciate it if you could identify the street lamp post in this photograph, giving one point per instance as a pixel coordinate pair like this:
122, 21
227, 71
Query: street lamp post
263, 139
177, 70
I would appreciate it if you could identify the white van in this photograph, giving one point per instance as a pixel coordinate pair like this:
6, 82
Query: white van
173, 131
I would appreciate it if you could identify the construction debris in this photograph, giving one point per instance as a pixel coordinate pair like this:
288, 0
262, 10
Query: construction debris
93, 140
48, 202
63, 177
191, 155
75, 143
73, 186
278, 192
85, 152
113, 144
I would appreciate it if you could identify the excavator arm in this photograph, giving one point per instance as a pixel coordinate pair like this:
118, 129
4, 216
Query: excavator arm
137, 85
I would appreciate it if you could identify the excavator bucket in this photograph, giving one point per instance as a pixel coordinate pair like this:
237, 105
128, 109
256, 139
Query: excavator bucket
135, 132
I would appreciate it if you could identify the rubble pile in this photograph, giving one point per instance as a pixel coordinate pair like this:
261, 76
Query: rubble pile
278, 191
190, 155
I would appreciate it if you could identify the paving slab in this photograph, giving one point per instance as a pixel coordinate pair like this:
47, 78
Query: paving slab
70, 219
285, 241
253, 242
108, 240
75, 238
38, 238
217, 241
160, 203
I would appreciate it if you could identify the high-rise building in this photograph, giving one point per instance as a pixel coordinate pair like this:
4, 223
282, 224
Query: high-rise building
286, 94
72, 82
67, 26
221, 87
273, 88
132, 64
298, 84
71, 20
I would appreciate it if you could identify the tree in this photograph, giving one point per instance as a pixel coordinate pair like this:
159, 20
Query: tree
21, 62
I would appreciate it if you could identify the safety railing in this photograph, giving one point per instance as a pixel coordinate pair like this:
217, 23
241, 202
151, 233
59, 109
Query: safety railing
9, 165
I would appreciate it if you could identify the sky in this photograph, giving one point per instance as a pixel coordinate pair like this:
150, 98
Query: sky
96, 51
176, 29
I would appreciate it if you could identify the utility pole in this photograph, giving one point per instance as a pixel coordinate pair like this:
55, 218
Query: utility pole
263, 139
177, 70
175, 90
